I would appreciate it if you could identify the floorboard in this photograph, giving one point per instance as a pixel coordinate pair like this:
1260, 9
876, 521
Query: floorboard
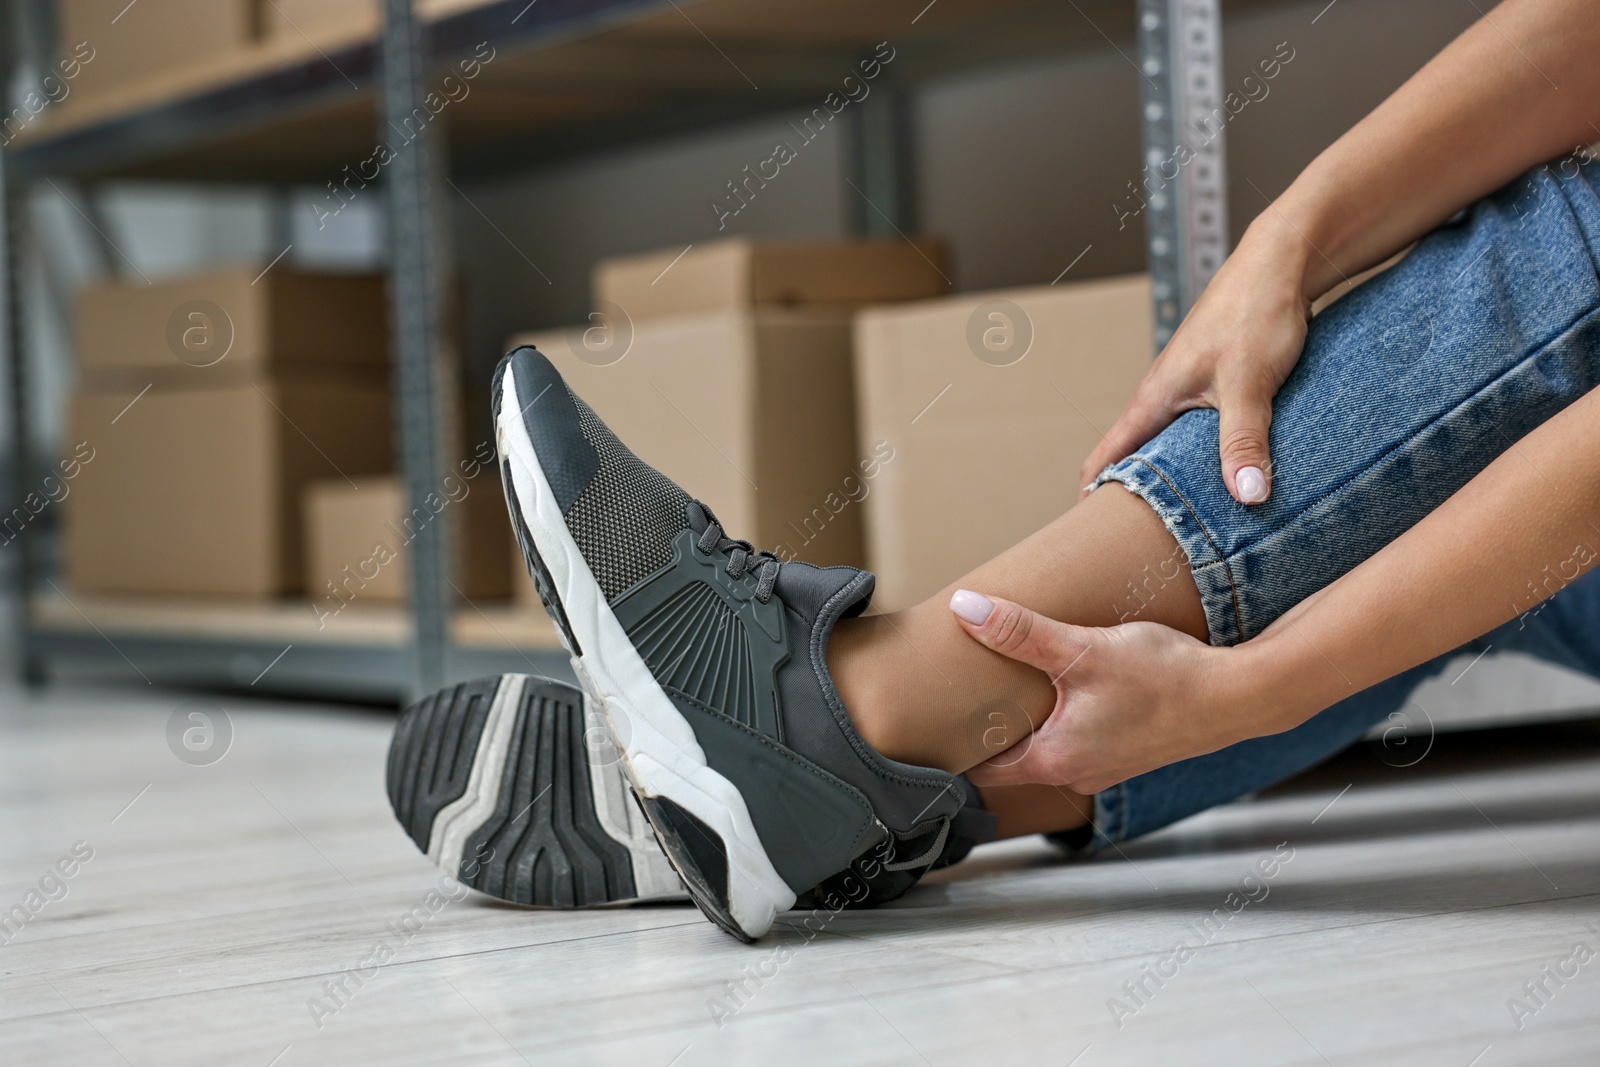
220, 898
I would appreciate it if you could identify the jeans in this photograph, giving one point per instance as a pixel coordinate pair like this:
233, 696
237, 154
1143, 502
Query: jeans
1407, 388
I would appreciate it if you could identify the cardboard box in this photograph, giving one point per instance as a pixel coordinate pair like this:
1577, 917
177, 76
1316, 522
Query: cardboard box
228, 327
740, 273
133, 42
990, 402
317, 20
752, 412
356, 538
198, 490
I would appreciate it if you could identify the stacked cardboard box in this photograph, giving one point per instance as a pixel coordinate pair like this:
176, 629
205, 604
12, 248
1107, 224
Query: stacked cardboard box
108, 47
356, 536
988, 403
118, 44
728, 367
325, 20
209, 403
319, 20
743, 274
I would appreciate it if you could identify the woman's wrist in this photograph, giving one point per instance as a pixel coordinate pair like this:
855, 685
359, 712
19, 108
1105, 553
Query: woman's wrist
1266, 685
1308, 227
1284, 257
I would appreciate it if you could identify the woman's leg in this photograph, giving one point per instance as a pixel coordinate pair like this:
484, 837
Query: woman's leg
1021, 810
1407, 388
922, 691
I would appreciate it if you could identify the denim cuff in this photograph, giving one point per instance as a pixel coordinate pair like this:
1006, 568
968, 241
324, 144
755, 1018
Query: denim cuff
1219, 593
1108, 824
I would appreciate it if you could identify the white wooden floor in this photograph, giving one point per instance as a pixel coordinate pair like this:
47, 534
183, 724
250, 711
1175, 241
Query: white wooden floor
220, 899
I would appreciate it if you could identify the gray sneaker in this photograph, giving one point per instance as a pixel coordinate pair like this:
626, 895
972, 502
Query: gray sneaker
511, 785
708, 660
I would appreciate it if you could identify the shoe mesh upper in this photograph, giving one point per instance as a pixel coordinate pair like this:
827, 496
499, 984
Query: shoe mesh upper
626, 518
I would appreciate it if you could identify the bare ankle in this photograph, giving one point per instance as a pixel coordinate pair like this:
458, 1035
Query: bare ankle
1020, 810
866, 684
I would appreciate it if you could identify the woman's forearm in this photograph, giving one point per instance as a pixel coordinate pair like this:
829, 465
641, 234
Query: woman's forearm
1521, 86
1518, 533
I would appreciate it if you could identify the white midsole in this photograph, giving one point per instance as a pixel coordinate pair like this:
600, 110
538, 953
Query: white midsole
620, 817
660, 754
472, 808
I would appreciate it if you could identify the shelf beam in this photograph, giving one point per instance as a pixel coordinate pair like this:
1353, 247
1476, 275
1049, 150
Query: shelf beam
329, 670
318, 82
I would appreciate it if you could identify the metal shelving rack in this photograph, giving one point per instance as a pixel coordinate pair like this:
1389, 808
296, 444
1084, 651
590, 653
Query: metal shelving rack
1186, 223
573, 76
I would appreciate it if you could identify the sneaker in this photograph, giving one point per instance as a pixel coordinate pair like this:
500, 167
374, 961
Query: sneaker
544, 856
511, 785
708, 660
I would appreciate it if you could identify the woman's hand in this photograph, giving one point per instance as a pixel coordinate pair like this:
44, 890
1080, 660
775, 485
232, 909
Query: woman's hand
1129, 698
1232, 352
1479, 114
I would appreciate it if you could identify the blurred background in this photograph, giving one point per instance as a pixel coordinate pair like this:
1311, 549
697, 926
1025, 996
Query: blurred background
870, 280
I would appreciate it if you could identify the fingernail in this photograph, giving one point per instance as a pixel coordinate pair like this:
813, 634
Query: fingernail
1086, 488
974, 607
1252, 484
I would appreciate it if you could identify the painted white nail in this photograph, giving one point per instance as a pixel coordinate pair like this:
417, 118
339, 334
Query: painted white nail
974, 607
1252, 483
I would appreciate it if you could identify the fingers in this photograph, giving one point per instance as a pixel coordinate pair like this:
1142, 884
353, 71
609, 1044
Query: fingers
1026, 636
1137, 424
1018, 633
1035, 760
1046, 763
1001, 771
1038, 767
1243, 420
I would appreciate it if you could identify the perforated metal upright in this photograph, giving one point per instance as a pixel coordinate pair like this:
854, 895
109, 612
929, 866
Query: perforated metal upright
1184, 174
414, 294
883, 159
23, 567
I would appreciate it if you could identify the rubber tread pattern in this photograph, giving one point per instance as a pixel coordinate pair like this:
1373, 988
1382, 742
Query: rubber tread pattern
544, 844
430, 756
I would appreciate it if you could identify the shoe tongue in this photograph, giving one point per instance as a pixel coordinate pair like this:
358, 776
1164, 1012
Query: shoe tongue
699, 516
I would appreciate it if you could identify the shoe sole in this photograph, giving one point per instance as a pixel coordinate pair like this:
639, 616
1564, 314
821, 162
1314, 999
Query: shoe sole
698, 815
498, 781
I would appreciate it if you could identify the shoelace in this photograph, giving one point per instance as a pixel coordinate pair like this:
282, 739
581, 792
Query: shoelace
743, 558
